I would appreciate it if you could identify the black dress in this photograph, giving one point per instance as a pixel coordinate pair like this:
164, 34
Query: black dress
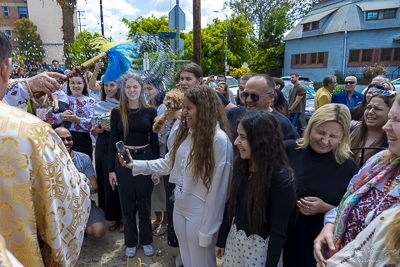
317, 175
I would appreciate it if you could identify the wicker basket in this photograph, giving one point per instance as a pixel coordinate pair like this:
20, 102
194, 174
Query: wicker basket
104, 121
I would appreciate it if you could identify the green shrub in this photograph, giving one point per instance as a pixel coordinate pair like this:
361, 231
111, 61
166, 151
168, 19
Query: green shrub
338, 89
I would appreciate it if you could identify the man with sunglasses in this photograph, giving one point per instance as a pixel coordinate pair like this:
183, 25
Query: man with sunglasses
96, 225
348, 96
259, 95
44, 200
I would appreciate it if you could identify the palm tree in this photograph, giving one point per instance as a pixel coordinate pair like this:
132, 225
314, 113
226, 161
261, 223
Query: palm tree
68, 11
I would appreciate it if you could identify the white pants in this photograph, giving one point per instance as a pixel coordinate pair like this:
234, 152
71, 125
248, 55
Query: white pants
188, 213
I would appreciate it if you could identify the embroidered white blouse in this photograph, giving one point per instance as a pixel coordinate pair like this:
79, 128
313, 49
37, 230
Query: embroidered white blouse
180, 174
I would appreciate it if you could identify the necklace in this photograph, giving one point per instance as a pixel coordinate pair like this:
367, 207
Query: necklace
391, 183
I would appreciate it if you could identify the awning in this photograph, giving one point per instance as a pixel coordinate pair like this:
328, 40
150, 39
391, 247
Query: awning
378, 5
317, 17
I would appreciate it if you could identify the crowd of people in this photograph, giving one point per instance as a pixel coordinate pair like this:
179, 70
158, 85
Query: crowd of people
235, 182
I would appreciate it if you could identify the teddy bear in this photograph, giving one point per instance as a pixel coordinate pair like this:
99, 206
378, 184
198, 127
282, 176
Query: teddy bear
173, 101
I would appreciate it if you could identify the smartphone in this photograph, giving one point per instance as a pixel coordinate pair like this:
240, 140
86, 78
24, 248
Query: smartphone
122, 150
211, 72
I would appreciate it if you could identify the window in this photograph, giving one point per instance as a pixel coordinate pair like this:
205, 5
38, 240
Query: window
310, 60
311, 26
389, 13
367, 55
364, 57
303, 59
372, 15
381, 14
396, 55
9, 34
297, 59
313, 58
385, 54
5, 11
23, 13
354, 56
321, 57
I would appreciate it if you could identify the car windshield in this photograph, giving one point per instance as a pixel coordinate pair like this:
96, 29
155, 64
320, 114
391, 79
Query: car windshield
232, 82
310, 92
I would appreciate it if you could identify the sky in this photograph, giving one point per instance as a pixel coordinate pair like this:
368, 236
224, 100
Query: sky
115, 10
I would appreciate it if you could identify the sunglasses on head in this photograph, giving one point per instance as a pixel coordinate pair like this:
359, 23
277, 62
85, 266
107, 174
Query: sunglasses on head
384, 92
350, 82
69, 138
377, 86
254, 97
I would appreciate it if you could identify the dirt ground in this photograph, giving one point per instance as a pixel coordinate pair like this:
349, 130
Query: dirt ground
110, 251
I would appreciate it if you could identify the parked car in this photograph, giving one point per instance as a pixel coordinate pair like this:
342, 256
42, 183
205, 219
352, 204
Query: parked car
231, 81
396, 84
302, 79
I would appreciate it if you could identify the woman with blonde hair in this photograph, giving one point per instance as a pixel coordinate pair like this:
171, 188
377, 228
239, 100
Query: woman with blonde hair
223, 88
322, 169
374, 189
132, 122
200, 164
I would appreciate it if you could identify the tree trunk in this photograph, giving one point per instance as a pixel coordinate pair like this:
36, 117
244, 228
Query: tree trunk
68, 11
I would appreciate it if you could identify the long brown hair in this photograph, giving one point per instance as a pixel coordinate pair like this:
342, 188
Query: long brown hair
227, 93
210, 112
359, 135
123, 105
265, 138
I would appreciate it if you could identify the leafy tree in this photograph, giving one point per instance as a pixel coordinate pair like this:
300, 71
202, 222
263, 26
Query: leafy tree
144, 31
257, 10
239, 43
81, 49
269, 55
30, 44
68, 11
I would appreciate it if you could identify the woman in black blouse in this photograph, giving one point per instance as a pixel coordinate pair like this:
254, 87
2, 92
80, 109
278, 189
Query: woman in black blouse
322, 169
262, 196
132, 122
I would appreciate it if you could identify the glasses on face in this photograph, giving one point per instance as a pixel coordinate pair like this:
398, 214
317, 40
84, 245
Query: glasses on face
254, 97
384, 92
350, 82
68, 138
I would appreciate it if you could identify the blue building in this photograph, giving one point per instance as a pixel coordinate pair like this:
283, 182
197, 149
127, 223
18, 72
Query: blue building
345, 36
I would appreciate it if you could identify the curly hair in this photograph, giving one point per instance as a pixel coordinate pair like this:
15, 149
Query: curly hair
157, 82
359, 136
85, 90
330, 112
123, 105
210, 112
264, 135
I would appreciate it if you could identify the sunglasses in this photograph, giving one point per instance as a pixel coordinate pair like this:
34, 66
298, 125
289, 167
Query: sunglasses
69, 138
350, 82
254, 97
376, 85
384, 92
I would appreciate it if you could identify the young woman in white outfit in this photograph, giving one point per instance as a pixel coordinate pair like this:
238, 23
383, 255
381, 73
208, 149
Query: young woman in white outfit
200, 164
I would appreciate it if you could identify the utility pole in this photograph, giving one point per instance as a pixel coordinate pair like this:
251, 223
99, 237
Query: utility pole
101, 17
177, 25
79, 19
197, 31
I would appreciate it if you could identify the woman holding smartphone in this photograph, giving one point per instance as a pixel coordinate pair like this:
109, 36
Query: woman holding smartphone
132, 122
200, 163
